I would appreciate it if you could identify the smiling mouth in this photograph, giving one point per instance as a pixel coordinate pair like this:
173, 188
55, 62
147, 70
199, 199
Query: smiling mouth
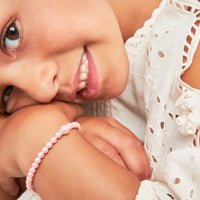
84, 71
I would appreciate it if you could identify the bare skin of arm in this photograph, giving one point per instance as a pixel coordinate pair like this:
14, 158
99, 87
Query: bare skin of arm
77, 161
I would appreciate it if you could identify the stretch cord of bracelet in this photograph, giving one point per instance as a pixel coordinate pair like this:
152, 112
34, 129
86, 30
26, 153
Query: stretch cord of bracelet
64, 130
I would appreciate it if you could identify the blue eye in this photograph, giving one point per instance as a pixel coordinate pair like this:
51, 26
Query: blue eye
10, 39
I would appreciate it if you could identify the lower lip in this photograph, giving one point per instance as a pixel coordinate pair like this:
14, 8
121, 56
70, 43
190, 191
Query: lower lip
93, 81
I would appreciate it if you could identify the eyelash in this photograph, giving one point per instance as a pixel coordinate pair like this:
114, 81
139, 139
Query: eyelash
12, 51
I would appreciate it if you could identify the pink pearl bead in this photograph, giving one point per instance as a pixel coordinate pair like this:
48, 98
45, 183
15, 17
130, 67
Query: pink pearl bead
49, 144
37, 160
40, 155
30, 175
28, 181
53, 140
70, 126
35, 165
28, 185
64, 128
32, 170
58, 135
45, 150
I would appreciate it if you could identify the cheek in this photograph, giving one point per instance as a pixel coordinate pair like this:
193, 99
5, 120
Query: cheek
117, 76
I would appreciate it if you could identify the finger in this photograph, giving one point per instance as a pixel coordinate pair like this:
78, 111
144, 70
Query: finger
10, 185
130, 149
139, 145
106, 148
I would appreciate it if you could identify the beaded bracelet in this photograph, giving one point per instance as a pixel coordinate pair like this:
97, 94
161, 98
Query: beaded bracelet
64, 130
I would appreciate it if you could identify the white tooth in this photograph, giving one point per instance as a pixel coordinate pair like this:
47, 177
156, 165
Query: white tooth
82, 85
83, 76
84, 58
85, 62
84, 68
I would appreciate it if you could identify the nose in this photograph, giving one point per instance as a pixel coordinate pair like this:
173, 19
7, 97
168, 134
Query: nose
39, 80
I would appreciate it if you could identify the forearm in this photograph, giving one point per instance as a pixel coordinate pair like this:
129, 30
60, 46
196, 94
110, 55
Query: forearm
82, 172
73, 168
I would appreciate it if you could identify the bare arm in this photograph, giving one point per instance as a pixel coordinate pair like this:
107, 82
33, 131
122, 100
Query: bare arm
73, 169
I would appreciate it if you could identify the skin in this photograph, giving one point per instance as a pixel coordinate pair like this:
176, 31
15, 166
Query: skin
49, 60
4, 195
44, 64
43, 69
110, 182
49, 64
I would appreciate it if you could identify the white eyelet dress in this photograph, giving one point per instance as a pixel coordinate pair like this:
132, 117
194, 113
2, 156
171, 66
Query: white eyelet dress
164, 49
157, 106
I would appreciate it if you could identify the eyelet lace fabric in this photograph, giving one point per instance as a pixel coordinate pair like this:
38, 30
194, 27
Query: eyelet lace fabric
167, 43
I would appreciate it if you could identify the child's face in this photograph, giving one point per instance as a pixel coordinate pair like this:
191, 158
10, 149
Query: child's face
42, 47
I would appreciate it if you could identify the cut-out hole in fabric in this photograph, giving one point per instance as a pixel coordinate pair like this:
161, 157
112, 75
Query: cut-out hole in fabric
171, 196
198, 15
171, 115
188, 8
197, 23
162, 125
189, 39
186, 49
178, 5
183, 67
161, 54
151, 130
184, 60
193, 30
156, 35
158, 99
154, 159
194, 143
177, 181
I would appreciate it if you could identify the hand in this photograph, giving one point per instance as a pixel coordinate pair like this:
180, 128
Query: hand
117, 142
9, 127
